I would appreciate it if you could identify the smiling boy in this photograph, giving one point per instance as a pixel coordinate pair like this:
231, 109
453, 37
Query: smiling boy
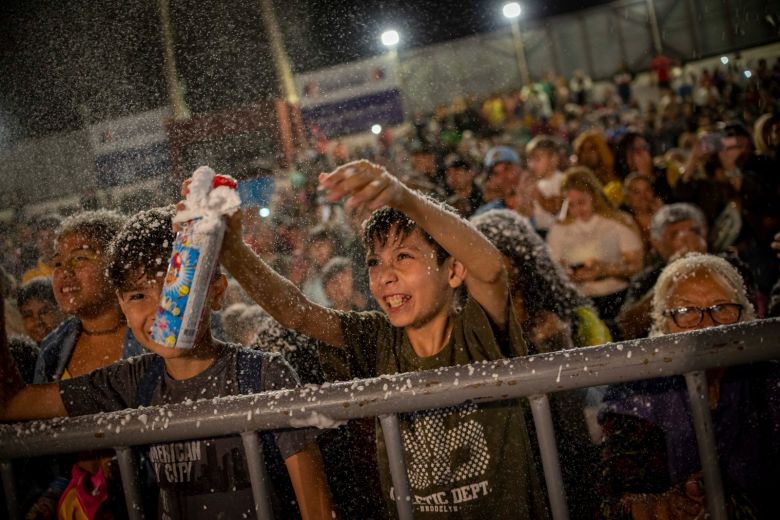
468, 461
200, 478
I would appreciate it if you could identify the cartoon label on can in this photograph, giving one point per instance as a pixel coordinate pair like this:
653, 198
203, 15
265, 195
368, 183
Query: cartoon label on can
177, 288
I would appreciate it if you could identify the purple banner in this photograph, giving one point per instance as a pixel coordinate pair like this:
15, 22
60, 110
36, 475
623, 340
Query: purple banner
356, 114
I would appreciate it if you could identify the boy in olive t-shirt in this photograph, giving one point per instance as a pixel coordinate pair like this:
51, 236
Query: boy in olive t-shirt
468, 461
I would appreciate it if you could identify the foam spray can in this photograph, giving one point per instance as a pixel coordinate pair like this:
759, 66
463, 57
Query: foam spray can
194, 258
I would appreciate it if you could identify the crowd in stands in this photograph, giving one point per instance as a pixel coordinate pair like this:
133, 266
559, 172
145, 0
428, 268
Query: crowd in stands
609, 221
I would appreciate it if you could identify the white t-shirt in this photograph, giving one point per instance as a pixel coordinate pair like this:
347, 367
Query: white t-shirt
599, 238
549, 187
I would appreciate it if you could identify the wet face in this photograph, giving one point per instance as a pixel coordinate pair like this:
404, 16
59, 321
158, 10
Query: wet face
139, 301
542, 163
580, 204
79, 282
407, 282
700, 290
681, 237
40, 317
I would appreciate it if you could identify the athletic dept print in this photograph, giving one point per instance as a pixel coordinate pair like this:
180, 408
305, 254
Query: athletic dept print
455, 458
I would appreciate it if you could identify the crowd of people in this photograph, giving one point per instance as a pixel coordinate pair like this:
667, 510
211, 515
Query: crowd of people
527, 222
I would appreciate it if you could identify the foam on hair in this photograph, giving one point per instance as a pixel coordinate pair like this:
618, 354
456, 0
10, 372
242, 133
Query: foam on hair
542, 283
690, 265
100, 226
142, 247
382, 222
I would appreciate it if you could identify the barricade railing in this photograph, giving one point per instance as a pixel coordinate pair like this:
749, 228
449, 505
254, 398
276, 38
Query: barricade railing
532, 377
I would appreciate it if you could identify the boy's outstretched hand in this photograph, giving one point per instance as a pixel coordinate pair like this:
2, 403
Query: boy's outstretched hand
365, 183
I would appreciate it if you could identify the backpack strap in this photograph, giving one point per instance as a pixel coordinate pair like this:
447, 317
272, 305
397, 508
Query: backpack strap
249, 365
150, 380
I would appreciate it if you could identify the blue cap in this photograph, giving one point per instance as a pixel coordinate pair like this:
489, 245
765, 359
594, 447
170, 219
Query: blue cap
499, 154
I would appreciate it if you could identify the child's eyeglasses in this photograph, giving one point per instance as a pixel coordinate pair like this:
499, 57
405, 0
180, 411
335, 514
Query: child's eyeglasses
75, 261
722, 314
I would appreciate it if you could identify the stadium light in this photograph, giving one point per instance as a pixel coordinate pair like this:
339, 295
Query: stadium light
724, 60
376, 129
390, 38
265, 212
512, 10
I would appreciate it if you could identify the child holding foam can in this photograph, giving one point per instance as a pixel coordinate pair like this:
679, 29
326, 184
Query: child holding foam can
194, 258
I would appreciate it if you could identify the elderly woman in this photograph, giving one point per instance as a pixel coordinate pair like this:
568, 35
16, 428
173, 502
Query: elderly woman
650, 452
599, 246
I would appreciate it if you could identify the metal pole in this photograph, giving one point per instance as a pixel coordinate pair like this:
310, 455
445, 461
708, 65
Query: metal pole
395, 456
9, 488
545, 436
586, 44
690, 21
653, 19
257, 475
395, 60
175, 94
128, 469
702, 422
522, 63
278, 52
553, 46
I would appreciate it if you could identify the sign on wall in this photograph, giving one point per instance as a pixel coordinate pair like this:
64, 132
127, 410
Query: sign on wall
131, 148
350, 98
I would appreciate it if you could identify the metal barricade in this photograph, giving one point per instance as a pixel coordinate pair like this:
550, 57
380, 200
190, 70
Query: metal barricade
533, 377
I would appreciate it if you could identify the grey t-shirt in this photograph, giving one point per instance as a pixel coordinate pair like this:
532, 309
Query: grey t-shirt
204, 478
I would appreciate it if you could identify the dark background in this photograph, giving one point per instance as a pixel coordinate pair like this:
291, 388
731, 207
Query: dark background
67, 64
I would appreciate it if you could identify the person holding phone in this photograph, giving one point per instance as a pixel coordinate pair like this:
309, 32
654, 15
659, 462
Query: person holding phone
597, 245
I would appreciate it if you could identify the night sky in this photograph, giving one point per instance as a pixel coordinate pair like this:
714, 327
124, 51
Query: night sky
69, 63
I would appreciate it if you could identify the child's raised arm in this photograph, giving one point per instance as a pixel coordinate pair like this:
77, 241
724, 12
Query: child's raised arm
277, 295
367, 183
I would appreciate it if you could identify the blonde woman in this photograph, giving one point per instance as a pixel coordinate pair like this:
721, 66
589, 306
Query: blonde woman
593, 152
596, 244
